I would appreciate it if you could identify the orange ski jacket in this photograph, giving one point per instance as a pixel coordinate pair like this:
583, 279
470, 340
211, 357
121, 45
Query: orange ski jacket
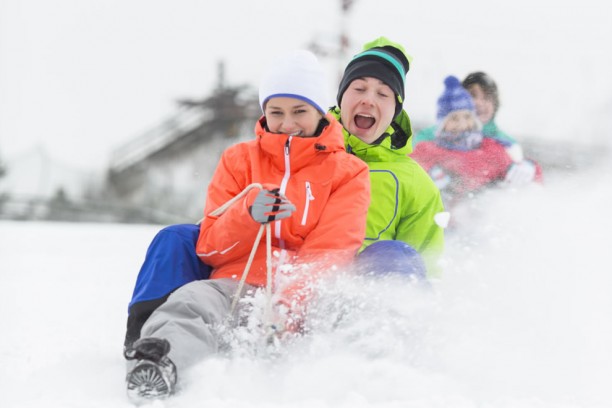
329, 187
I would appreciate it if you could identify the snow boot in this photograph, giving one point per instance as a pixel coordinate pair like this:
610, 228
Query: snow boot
154, 374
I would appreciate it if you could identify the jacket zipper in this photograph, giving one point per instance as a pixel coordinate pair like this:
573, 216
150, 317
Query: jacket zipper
309, 198
283, 188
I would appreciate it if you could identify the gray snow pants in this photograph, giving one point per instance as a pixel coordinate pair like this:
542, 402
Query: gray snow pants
188, 317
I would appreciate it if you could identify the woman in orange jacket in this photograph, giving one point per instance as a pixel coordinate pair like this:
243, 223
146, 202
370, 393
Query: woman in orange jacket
294, 177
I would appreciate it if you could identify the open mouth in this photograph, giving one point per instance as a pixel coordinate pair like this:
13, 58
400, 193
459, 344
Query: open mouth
363, 121
297, 133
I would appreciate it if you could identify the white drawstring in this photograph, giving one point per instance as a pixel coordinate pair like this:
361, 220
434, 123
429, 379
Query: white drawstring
225, 206
267, 318
247, 267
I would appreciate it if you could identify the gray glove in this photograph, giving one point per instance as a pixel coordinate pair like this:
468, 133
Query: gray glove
270, 205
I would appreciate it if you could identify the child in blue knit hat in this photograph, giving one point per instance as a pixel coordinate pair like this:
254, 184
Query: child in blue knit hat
458, 127
461, 159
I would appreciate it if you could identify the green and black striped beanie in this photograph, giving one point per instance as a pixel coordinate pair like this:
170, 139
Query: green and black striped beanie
381, 59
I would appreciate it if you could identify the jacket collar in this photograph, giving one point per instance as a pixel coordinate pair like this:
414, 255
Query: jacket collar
301, 149
394, 142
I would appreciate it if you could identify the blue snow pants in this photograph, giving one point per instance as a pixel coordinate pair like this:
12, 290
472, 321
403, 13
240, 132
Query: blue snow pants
170, 263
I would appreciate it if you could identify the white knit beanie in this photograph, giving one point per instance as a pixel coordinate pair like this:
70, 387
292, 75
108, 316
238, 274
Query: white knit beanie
297, 74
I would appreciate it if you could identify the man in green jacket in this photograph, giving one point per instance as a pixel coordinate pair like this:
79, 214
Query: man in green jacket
405, 207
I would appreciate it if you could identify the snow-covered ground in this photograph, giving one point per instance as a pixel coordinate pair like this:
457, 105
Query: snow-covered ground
520, 319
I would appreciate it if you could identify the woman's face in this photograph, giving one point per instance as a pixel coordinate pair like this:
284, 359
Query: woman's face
485, 106
292, 116
367, 108
460, 121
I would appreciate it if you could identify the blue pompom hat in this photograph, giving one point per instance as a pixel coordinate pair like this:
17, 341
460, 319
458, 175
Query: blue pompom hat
454, 98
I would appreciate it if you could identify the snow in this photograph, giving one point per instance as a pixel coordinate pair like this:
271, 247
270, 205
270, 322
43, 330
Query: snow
520, 318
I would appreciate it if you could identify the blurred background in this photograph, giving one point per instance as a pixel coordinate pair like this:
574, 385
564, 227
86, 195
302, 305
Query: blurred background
117, 111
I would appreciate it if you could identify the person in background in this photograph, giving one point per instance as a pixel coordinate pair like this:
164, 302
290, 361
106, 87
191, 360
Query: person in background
405, 203
485, 94
312, 194
461, 159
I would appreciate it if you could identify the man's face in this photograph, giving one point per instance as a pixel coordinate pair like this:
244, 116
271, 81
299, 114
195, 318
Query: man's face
367, 108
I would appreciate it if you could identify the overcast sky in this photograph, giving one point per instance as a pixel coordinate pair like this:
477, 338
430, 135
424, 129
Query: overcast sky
79, 78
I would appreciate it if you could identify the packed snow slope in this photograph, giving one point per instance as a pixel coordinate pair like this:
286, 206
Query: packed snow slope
521, 318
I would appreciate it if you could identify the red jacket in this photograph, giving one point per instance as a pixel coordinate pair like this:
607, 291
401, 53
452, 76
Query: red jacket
470, 170
329, 187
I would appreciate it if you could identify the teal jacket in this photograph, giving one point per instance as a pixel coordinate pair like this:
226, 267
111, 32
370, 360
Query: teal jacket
490, 129
404, 199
